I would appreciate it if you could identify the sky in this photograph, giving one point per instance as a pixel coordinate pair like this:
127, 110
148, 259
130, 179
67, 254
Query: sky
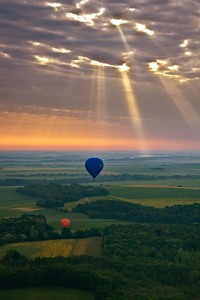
100, 75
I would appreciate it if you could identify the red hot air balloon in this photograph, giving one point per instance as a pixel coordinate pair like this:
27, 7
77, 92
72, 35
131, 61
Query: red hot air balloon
65, 222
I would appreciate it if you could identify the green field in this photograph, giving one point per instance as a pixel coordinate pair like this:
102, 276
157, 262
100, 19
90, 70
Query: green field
143, 192
159, 196
153, 168
39, 172
14, 204
49, 293
155, 196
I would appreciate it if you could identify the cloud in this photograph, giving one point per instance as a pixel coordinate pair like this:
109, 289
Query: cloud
46, 50
58, 26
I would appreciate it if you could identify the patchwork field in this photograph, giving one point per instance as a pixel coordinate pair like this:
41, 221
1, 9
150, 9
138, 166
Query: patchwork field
155, 196
14, 204
145, 192
52, 248
181, 189
56, 165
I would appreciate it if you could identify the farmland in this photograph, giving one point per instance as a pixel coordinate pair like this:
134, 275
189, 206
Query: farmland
48, 166
89, 246
14, 204
159, 180
65, 165
155, 196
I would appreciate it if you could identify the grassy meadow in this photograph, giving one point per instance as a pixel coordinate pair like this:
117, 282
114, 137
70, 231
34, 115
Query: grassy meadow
14, 204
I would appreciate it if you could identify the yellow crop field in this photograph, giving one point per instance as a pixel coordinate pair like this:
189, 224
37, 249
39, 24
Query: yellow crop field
89, 246
52, 248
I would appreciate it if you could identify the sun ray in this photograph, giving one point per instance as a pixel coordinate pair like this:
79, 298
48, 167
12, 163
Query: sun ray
92, 91
123, 38
182, 104
129, 93
132, 104
98, 99
101, 94
118, 23
170, 80
133, 109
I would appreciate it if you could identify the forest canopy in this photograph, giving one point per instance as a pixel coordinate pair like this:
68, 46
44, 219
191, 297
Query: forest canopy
122, 210
56, 195
139, 262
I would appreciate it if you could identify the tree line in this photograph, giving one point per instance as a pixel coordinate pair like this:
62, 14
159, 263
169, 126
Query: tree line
101, 178
28, 227
56, 195
31, 227
122, 210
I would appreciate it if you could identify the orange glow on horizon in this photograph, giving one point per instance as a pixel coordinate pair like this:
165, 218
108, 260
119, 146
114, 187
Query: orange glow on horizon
87, 143
25, 131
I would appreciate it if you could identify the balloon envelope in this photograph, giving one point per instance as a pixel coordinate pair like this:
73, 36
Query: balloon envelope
94, 166
65, 222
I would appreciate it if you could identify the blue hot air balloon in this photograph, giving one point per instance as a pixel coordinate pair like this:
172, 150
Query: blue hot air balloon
94, 166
